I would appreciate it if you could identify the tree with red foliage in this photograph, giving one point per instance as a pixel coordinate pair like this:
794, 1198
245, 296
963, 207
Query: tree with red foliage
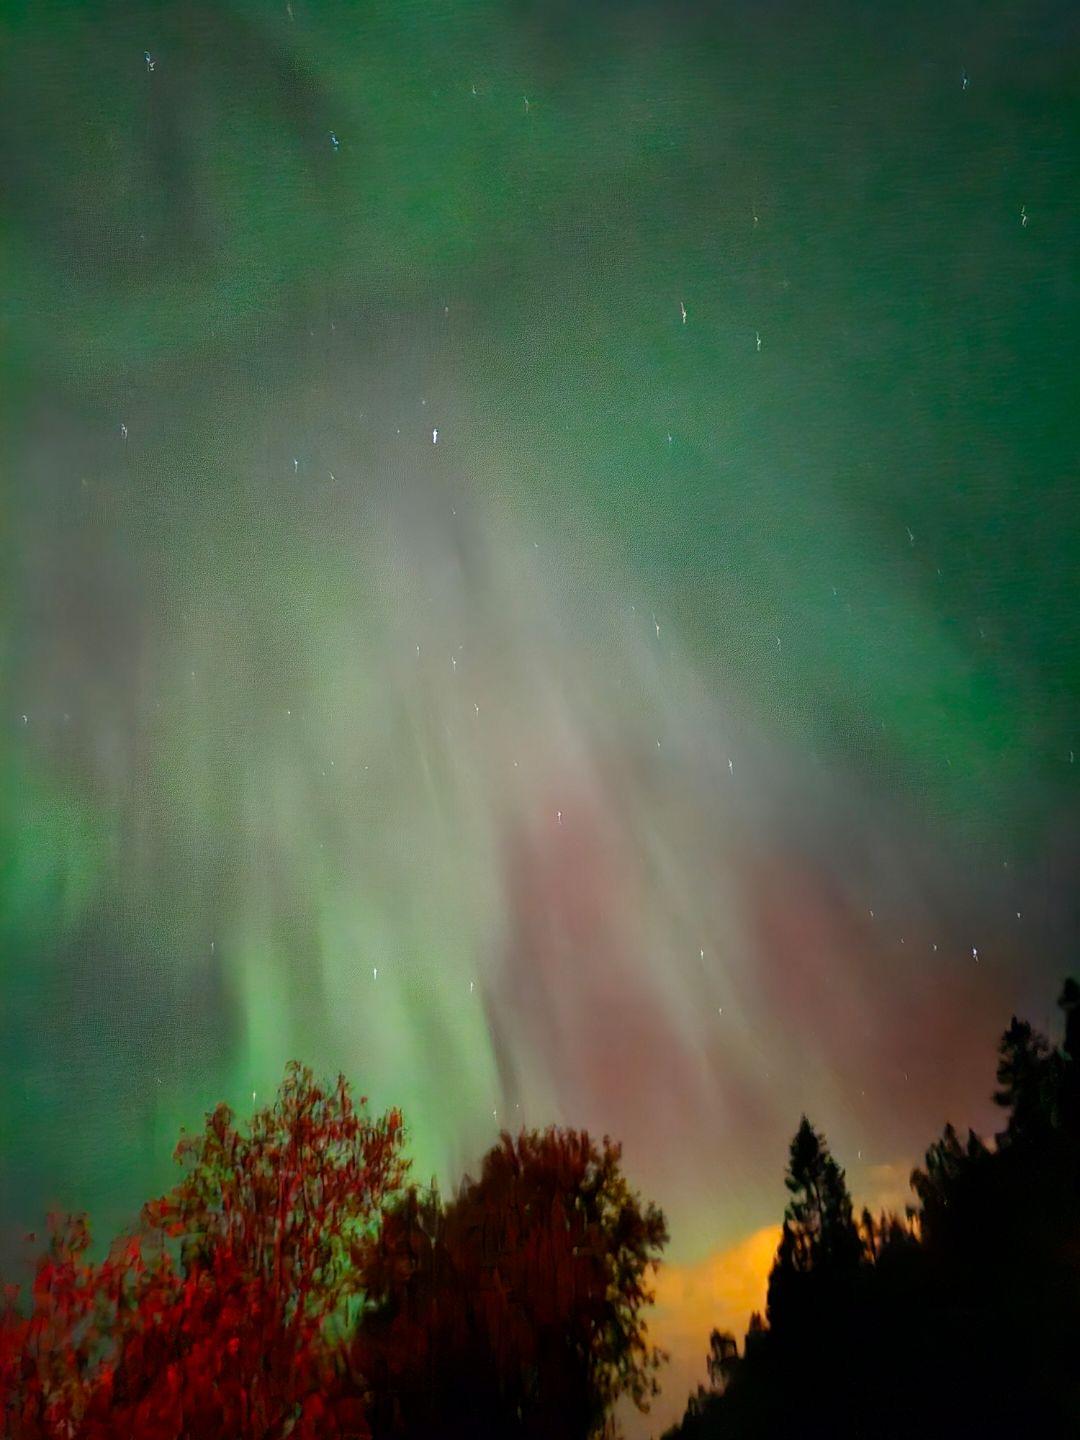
296, 1201
515, 1310
242, 1335
50, 1361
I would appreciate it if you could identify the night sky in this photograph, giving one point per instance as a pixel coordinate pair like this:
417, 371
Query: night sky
540, 557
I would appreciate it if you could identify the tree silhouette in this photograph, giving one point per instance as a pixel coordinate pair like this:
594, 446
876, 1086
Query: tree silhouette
516, 1309
1001, 1232
292, 1285
722, 1360
963, 1320
820, 1246
1027, 1076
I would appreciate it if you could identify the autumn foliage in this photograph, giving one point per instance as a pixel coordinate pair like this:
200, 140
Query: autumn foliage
292, 1284
223, 1316
517, 1308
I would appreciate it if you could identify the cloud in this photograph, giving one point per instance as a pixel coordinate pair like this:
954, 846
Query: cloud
722, 1289
718, 1292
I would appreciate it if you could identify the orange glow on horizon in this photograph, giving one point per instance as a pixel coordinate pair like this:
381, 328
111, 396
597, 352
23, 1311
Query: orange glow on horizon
719, 1292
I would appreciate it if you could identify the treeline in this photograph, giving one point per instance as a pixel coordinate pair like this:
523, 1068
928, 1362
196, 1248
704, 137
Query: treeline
295, 1284
960, 1318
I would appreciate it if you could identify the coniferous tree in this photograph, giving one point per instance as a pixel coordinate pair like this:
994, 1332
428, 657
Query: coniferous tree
1026, 1074
820, 1245
962, 1320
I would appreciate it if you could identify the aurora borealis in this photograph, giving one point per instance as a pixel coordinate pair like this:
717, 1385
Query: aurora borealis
558, 601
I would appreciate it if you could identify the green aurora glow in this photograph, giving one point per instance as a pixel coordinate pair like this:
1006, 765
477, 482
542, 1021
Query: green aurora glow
239, 790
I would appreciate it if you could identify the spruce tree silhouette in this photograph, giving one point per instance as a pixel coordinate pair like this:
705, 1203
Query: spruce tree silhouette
818, 1220
963, 1320
811, 1289
1027, 1076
